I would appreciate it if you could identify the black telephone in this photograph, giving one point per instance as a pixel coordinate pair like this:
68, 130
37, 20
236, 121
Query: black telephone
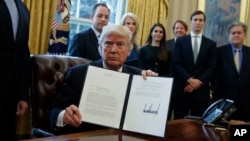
220, 110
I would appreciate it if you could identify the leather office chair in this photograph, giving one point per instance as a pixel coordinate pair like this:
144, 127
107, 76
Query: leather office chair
47, 75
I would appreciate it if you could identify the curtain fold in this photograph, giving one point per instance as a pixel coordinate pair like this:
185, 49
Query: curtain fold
41, 15
148, 13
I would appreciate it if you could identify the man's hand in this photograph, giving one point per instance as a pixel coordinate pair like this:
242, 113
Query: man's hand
22, 107
146, 73
188, 89
72, 116
195, 83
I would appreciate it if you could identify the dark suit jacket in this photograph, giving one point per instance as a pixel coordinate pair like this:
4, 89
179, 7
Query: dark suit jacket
229, 84
170, 45
14, 62
85, 45
14, 55
71, 90
184, 67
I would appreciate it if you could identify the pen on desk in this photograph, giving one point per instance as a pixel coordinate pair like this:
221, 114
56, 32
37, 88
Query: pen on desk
209, 125
217, 127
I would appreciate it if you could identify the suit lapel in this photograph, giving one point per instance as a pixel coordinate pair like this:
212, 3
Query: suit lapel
93, 39
230, 56
125, 69
202, 48
245, 55
189, 48
92, 36
171, 47
97, 63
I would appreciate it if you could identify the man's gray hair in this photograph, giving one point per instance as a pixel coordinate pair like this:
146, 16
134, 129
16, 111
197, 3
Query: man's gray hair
237, 24
116, 30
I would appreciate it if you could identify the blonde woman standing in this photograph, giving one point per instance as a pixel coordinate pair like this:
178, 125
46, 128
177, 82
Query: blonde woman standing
130, 20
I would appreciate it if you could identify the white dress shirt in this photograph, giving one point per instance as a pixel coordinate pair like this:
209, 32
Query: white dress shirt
14, 15
198, 40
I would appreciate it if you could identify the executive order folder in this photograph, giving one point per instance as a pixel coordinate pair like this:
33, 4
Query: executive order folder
127, 102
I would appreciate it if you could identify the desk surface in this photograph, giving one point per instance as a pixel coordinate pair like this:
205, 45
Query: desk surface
177, 130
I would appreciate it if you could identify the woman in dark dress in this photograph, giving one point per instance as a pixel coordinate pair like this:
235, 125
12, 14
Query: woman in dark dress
154, 55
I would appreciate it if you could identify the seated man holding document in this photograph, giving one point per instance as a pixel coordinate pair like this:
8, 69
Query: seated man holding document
115, 46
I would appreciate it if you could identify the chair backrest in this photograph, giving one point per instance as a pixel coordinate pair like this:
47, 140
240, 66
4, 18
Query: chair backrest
47, 76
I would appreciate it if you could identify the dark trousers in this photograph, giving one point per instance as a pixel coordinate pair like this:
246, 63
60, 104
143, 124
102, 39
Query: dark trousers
188, 105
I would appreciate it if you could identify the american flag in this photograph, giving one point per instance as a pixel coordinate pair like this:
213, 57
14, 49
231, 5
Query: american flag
54, 24
57, 19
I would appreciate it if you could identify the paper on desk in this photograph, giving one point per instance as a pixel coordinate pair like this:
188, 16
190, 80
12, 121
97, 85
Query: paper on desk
148, 105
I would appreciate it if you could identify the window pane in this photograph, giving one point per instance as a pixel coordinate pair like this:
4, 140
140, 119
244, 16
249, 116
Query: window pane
112, 4
76, 26
73, 8
85, 8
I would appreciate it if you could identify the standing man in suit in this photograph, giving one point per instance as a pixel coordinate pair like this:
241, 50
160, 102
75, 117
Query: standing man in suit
115, 45
194, 63
85, 44
233, 78
15, 62
180, 29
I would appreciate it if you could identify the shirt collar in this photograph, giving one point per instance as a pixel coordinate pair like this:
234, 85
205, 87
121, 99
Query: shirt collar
192, 34
234, 48
106, 67
97, 33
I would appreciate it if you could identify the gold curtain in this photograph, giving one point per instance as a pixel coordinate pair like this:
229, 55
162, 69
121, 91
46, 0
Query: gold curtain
42, 13
148, 12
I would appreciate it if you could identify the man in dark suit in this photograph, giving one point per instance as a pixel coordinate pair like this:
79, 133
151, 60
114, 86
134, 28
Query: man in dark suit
194, 63
15, 62
85, 44
115, 47
180, 29
232, 83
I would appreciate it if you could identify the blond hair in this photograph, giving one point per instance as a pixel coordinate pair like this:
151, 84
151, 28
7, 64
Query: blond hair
134, 17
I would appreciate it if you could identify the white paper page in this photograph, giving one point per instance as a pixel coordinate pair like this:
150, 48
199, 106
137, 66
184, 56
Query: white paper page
148, 105
103, 96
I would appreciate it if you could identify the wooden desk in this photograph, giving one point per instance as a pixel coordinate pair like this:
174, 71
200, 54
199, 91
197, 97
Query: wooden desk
177, 130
